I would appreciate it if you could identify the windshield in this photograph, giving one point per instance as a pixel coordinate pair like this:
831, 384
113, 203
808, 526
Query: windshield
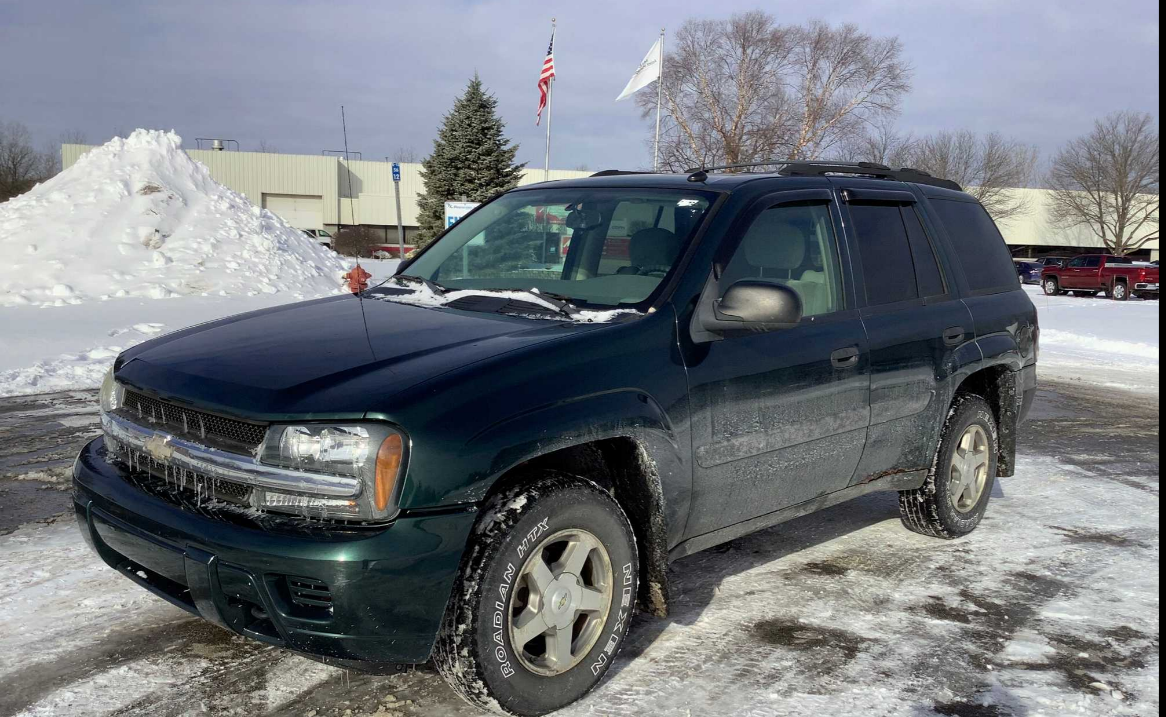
595, 246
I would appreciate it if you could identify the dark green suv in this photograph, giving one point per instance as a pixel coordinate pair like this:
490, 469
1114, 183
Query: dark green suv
489, 460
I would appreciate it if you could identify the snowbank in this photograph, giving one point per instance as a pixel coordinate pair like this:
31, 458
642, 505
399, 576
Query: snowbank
137, 217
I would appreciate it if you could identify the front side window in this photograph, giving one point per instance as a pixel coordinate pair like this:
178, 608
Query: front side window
792, 245
1077, 263
1092, 262
603, 247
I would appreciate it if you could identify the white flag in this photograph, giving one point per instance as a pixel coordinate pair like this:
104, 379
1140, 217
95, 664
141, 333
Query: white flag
646, 73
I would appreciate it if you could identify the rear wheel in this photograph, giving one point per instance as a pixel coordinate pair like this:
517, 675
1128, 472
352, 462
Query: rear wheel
1051, 286
955, 495
544, 600
1120, 292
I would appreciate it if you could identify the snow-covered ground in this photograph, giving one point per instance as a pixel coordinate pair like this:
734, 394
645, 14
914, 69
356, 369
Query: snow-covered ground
1099, 341
61, 348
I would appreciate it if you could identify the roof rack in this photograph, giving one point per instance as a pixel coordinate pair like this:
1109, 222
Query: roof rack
825, 169
617, 172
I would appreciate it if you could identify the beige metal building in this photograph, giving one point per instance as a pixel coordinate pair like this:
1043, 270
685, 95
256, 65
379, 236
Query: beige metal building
312, 192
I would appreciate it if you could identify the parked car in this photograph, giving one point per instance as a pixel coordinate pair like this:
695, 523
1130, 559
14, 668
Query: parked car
1090, 274
1052, 260
320, 235
491, 470
389, 251
1028, 270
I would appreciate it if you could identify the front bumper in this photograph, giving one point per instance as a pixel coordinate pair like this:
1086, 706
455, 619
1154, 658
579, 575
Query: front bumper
387, 587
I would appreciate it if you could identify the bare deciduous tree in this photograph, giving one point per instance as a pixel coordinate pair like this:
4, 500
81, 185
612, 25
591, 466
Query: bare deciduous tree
266, 147
1107, 181
21, 164
406, 155
882, 145
747, 89
987, 167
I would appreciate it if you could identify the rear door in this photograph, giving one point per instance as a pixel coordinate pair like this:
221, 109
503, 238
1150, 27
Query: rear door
919, 330
780, 418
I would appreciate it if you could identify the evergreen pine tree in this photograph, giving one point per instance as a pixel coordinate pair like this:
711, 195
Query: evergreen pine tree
471, 159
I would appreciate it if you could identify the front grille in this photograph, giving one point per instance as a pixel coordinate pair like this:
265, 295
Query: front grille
309, 592
206, 428
171, 481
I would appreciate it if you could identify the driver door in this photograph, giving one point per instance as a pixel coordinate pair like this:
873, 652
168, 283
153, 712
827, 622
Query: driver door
780, 418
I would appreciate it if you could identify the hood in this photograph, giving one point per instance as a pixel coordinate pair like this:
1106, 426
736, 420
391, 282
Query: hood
335, 357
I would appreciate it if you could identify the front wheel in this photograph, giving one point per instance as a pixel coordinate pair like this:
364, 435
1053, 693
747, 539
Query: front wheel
953, 499
1052, 288
544, 600
1120, 292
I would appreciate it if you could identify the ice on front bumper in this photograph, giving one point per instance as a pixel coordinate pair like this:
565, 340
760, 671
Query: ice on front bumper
152, 466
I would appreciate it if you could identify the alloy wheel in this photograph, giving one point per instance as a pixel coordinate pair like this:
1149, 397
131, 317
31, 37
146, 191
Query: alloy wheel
969, 469
560, 602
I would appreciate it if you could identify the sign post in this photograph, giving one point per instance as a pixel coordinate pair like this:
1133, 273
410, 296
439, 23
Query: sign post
400, 224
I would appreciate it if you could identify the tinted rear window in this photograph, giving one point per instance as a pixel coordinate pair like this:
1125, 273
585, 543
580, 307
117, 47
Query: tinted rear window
980, 248
887, 268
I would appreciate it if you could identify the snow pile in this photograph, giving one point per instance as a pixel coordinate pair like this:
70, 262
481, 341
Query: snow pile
138, 217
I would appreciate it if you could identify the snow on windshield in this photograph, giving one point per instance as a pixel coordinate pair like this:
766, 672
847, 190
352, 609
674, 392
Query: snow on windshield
419, 294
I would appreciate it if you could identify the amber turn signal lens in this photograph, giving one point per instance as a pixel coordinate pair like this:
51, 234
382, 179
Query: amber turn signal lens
388, 465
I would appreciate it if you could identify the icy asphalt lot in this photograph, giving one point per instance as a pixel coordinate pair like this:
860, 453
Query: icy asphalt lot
1049, 608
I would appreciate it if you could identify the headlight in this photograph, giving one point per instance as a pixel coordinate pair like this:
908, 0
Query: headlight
372, 452
111, 393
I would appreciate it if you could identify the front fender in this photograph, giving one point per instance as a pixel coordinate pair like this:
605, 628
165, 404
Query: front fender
621, 413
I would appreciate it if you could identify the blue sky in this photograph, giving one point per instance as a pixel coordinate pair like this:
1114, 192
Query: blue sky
278, 72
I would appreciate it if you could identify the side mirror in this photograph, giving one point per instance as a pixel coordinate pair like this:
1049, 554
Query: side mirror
752, 306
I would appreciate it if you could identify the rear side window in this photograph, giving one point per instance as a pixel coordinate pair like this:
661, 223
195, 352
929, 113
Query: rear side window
978, 245
926, 266
888, 270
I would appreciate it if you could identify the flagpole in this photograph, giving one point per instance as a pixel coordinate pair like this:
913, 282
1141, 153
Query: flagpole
550, 96
659, 98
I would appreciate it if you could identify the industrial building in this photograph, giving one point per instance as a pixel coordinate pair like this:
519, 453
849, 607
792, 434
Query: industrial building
317, 192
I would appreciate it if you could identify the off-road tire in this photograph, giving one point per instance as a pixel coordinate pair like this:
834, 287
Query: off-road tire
1120, 291
474, 652
1051, 286
928, 510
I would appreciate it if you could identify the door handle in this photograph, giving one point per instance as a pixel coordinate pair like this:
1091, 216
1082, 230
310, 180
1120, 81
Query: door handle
953, 335
845, 357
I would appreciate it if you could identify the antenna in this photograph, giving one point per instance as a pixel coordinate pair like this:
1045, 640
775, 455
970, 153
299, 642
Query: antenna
348, 166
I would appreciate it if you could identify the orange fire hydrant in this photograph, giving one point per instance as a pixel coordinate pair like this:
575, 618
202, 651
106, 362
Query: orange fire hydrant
357, 279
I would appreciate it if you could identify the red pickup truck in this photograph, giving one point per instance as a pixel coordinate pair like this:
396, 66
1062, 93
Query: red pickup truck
1118, 276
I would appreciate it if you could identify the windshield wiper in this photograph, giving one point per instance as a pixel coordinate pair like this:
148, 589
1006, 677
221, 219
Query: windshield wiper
431, 285
557, 302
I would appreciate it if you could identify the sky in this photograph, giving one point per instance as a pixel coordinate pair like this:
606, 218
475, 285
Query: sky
277, 73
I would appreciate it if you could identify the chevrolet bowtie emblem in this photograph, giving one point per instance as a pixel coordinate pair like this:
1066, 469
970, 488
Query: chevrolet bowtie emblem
158, 447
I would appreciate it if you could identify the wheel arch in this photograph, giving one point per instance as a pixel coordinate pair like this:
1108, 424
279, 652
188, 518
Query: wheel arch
998, 385
622, 466
623, 441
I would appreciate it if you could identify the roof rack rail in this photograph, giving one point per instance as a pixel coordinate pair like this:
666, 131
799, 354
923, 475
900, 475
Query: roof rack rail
822, 169
617, 172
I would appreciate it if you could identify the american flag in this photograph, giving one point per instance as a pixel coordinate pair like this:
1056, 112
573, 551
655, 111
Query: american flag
544, 79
